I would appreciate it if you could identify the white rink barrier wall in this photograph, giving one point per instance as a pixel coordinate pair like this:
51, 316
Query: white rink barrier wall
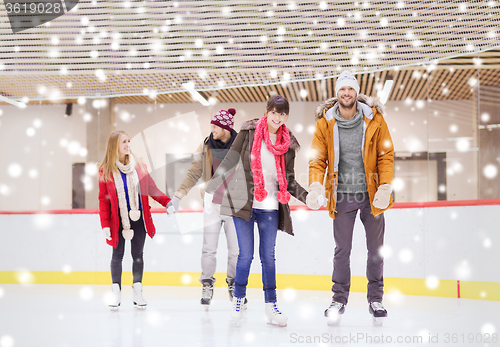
450, 251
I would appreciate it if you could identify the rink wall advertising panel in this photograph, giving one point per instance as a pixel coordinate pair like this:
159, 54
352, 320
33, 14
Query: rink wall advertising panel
437, 249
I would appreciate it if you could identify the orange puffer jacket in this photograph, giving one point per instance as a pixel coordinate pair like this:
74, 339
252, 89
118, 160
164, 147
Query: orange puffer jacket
378, 151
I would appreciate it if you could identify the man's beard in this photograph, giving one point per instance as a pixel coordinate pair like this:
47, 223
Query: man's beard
347, 106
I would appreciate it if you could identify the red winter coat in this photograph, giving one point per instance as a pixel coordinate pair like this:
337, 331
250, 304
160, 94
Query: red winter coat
108, 203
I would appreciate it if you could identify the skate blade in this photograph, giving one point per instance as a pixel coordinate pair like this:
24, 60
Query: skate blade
378, 321
236, 319
114, 308
206, 307
333, 322
283, 325
236, 323
140, 307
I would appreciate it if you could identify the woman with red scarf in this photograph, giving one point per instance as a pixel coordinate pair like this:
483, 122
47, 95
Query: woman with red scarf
262, 158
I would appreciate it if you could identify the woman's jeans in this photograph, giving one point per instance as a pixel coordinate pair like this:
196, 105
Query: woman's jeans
267, 223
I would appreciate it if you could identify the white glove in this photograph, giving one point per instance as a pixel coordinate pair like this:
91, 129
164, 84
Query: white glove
170, 209
316, 196
107, 233
207, 202
173, 205
382, 196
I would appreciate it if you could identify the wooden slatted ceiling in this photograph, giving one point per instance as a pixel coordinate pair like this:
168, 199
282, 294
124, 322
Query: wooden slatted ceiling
454, 73
423, 86
457, 83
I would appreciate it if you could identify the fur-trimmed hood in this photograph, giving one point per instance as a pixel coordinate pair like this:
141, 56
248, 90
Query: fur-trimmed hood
252, 124
369, 101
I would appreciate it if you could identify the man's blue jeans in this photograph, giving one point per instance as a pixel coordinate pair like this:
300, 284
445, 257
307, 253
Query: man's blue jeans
267, 223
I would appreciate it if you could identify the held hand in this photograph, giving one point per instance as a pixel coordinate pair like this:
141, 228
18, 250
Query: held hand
382, 196
107, 233
176, 201
170, 209
173, 206
207, 202
321, 200
316, 196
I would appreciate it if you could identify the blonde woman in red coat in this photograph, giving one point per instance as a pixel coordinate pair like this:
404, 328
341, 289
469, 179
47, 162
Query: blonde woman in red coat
124, 187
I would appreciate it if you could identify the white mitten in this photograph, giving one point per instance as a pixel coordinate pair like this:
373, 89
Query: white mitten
175, 202
316, 196
173, 205
107, 233
382, 196
128, 234
170, 209
207, 202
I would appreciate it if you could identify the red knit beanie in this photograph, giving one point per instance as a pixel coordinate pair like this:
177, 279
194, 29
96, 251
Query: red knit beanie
224, 119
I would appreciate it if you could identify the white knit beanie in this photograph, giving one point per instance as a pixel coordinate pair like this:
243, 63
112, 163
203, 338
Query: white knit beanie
347, 79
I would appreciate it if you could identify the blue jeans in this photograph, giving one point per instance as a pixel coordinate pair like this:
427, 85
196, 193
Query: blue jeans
267, 223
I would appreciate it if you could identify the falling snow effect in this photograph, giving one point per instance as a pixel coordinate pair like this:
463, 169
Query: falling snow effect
417, 126
15, 170
405, 255
6, 341
432, 282
25, 277
43, 221
86, 293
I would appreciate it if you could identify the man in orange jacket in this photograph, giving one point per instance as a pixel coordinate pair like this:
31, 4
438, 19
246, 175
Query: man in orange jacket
353, 155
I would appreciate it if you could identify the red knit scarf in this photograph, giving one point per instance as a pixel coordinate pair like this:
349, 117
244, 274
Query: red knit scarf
279, 150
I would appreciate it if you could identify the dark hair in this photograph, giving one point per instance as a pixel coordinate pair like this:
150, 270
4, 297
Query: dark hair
278, 103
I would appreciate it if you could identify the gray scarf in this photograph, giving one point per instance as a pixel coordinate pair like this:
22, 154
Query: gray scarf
348, 123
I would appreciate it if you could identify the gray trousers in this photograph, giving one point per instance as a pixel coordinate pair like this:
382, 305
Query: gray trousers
211, 231
343, 226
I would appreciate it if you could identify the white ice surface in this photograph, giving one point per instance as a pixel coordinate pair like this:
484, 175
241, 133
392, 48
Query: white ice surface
76, 315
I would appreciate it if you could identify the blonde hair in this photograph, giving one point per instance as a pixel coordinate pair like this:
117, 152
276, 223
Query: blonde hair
108, 165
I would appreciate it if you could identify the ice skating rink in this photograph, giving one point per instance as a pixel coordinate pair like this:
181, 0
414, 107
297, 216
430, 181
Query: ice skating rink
160, 70
75, 315
427, 259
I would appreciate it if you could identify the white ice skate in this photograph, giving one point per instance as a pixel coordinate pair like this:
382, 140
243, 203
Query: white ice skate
378, 312
117, 297
334, 313
274, 315
238, 308
137, 298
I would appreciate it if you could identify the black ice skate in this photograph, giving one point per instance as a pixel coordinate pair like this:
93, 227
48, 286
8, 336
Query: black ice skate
378, 312
230, 289
334, 313
207, 294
